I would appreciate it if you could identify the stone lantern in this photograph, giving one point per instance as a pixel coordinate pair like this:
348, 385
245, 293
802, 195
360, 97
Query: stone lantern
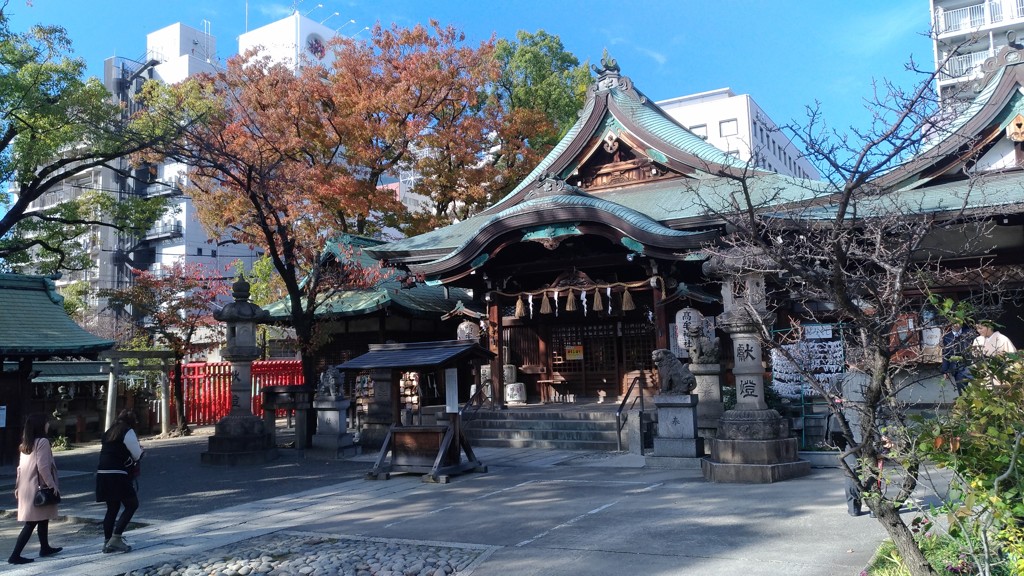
240, 437
753, 443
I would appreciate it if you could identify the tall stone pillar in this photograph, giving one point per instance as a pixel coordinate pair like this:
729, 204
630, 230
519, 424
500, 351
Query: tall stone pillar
240, 437
753, 443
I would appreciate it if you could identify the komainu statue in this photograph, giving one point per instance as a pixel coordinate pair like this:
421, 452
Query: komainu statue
703, 350
330, 385
674, 376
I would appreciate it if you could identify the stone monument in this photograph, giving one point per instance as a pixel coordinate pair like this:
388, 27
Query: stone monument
332, 415
753, 443
240, 437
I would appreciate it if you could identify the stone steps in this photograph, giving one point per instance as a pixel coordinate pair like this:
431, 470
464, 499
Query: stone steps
571, 429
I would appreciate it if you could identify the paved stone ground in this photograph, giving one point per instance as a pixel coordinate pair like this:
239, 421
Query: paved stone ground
535, 512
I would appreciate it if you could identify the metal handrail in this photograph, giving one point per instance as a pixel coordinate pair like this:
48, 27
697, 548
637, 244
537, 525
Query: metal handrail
619, 422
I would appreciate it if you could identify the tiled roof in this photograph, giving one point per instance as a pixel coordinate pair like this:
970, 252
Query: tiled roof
419, 300
60, 372
416, 355
643, 112
33, 322
656, 207
987, 193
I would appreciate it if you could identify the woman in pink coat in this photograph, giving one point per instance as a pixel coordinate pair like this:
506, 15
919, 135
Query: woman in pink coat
35, 468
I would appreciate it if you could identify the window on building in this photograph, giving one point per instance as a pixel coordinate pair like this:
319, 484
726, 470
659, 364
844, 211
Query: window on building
213, 252
199, 251
729, 127
700, 130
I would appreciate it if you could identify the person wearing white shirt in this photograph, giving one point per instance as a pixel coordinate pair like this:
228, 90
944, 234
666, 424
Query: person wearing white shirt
990, 342
119, 454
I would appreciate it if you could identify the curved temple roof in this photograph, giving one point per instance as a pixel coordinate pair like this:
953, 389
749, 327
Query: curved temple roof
665, 210
33, 323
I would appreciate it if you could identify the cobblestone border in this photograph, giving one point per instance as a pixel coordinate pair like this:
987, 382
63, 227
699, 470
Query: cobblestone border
289, 552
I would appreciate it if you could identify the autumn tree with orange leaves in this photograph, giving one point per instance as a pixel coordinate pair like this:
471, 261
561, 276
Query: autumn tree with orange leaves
175, 308
476, 151
287, 160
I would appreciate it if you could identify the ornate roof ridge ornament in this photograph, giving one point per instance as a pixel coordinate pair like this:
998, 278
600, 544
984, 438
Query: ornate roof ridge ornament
609, 66
609, 77
1009, 55
549, 184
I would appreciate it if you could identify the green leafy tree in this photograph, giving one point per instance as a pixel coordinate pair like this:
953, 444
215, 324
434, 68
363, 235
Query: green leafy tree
53, 125
537, 73
479, 146
76, 300
174, 309
979, 441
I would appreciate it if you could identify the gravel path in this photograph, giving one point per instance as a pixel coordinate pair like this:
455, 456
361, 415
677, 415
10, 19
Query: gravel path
296, 553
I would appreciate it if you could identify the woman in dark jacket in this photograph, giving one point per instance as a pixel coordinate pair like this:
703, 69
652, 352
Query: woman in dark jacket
119, 453
35, 468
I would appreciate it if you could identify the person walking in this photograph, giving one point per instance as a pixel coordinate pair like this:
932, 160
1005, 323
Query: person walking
120, 452
36, 469
956, 344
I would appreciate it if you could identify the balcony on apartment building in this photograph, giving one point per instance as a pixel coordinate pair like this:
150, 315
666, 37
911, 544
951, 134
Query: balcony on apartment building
980, 27
164, 230
950, 22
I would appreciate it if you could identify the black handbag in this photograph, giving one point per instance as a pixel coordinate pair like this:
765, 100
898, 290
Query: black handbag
46, 496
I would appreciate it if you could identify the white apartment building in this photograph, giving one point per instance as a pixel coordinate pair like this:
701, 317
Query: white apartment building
736, 125
172, 54
970, 32
292, 40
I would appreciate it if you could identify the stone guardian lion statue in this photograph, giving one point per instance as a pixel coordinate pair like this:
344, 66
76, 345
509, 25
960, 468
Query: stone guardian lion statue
674, 376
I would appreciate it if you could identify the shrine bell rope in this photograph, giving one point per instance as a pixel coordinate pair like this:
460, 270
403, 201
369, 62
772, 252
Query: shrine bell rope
599, 293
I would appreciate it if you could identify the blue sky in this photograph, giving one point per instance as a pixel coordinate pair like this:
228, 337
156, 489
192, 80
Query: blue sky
785, 53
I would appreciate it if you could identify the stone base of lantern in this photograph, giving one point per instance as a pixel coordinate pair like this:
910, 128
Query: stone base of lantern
332, 428
239, 439
753, 447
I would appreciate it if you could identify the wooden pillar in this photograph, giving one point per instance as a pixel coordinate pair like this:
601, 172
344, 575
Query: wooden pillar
660, 319
495, 341
543, 335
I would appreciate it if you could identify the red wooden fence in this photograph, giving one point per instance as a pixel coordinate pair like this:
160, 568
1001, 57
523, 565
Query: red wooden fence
208, 386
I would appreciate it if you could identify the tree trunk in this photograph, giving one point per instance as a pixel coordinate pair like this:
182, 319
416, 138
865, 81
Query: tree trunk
903, 538
178, 390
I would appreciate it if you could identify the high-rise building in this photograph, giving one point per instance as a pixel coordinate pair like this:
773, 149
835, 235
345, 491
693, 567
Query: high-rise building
968, 32
292, 40
172, 54
736, 125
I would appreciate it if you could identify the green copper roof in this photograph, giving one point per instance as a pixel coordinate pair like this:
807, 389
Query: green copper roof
643, 112
416, 301
33, 322
990, 193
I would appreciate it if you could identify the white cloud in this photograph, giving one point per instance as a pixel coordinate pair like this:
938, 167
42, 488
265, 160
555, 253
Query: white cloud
276, 11
653, 55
